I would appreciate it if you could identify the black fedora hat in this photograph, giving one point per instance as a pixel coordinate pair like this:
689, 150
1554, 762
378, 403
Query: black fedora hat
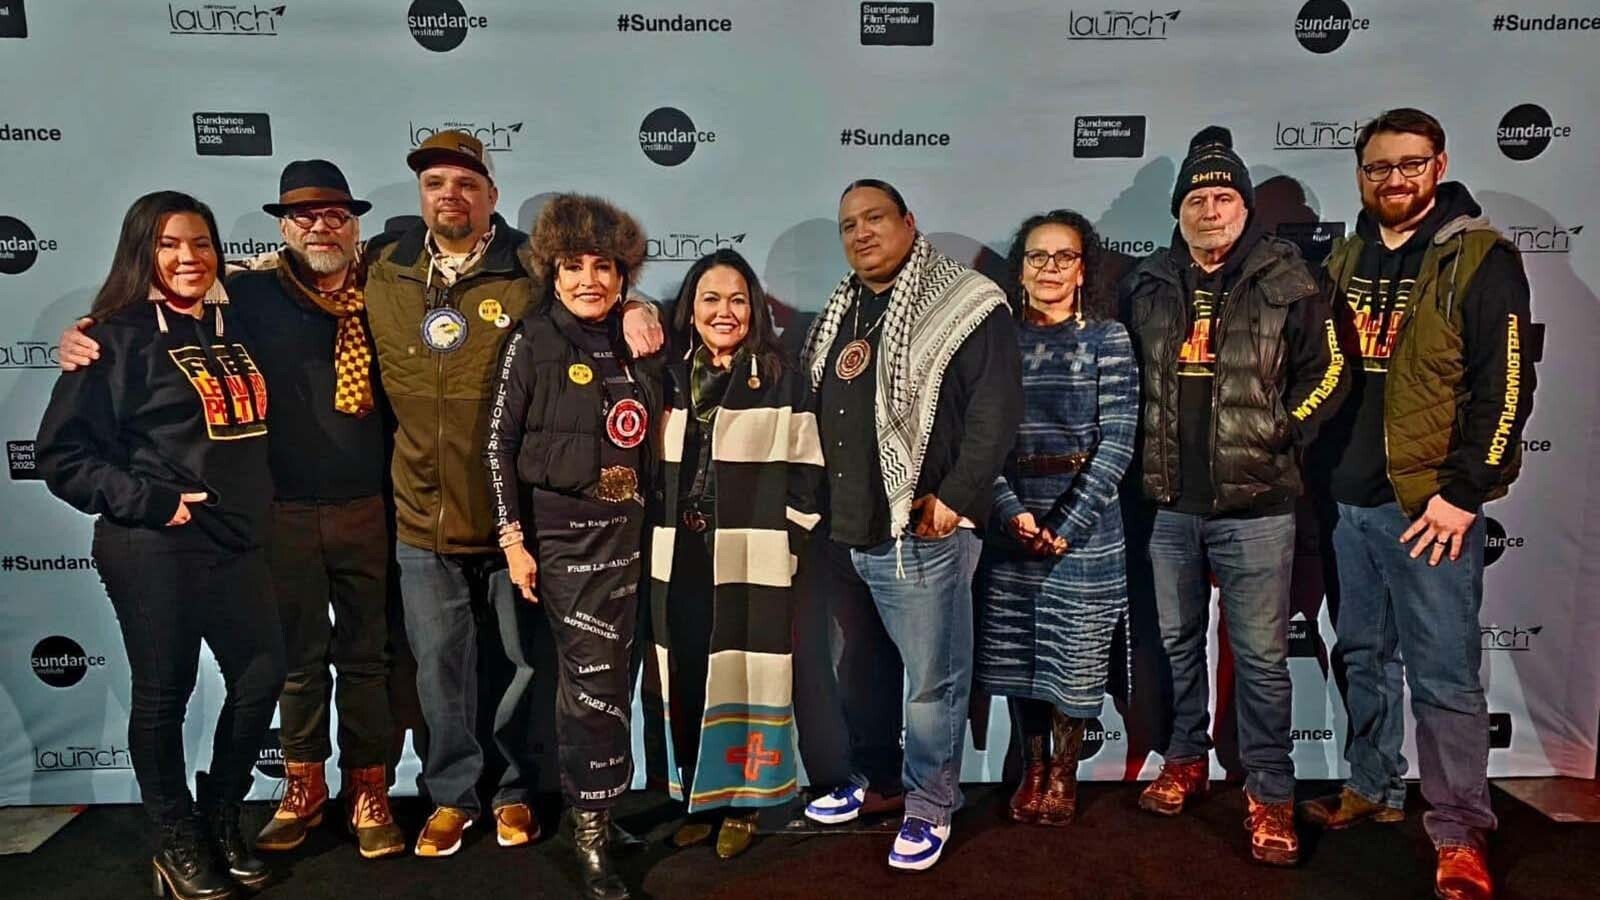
313, 181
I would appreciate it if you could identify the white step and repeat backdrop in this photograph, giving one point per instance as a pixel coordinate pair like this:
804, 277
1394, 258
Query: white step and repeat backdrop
728, 124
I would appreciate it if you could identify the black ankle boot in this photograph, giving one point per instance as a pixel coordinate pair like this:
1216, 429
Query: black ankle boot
185, 868
591, 839
227, 841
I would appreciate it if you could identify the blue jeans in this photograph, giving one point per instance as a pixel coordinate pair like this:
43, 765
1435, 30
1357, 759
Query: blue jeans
1253, 560
1392, 606
924, 619
442, 596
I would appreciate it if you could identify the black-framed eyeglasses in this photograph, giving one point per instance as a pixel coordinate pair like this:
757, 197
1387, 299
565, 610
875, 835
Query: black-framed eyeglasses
1377, 173
307, 218
1064, 258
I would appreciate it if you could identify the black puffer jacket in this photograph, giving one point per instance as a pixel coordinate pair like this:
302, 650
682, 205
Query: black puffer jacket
1279, 372
547, 424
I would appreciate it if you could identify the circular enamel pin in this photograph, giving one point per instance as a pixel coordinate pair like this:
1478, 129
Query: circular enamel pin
580, 373
626, 423
489, 310
444, 330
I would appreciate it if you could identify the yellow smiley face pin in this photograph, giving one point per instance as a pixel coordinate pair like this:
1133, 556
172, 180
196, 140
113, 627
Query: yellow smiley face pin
489, 310
580, 373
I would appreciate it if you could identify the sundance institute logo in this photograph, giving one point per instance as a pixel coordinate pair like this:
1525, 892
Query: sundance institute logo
1095, 736
1526, 131
1324, 25
441, 25
19, 246
669, 137
269, 758
224, 19
61, 662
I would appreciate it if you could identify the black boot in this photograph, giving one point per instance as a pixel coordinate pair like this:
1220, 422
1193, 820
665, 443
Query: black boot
591, 839
227, 841
185, 868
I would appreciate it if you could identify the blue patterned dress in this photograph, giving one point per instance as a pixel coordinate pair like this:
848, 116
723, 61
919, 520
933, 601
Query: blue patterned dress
1046, 623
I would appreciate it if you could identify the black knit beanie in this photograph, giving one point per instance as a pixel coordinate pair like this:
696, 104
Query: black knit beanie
1212, 163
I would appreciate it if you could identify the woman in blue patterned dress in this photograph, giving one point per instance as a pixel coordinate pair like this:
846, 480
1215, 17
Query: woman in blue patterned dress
1052, 581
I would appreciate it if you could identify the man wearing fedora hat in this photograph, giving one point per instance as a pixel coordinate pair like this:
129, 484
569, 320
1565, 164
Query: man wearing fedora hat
329, 544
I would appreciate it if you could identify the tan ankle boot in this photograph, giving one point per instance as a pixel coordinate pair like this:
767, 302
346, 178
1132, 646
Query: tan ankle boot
305, 790
366, 793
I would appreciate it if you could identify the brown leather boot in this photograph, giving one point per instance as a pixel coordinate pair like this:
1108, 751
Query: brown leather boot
1175, 785
1347, 808
1059, 805
1462, 874
1024, 806
1273, 839
305, 790
367, 813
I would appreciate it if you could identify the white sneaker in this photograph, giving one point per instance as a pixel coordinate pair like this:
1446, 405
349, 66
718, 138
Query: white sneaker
918, 844
841, 805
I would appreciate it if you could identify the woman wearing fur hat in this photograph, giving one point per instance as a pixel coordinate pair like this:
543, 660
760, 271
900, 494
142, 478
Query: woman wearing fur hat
569, 456
741, 463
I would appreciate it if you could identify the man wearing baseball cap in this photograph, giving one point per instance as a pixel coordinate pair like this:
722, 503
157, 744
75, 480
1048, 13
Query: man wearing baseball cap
328, 546
1240, 365
442, 297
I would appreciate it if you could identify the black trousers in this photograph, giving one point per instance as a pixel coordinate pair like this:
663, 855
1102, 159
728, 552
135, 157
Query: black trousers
588, 583
690, 614
170, 592
333, 554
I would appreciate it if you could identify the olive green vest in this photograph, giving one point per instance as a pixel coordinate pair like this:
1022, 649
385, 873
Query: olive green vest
1425, 393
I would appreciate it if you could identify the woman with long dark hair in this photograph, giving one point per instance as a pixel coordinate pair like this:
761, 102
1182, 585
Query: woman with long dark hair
165, 441
571, 457
741, 464
1052, 580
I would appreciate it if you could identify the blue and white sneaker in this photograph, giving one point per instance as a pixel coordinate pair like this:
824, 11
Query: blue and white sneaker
842, 804
918, 844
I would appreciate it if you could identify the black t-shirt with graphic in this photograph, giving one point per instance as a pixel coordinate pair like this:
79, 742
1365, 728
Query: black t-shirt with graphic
1197, 363
1376, 301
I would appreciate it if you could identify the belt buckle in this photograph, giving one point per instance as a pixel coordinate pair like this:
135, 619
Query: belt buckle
617, 484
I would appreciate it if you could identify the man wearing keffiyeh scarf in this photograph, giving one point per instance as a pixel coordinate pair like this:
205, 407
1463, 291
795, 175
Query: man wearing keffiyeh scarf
918, 384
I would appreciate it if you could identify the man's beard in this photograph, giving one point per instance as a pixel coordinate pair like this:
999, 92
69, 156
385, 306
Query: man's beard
1389, 219
1212, 240
321, 262
453, 232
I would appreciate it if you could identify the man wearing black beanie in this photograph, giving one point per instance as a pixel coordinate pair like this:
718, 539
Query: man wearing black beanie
1240, 365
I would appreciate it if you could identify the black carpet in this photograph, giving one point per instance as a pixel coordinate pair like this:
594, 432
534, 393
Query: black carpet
1114, 851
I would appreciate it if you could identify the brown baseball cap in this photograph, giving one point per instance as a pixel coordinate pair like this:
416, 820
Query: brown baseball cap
451, 148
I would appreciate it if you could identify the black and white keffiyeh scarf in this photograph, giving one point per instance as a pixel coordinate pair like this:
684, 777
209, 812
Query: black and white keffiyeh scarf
937, 303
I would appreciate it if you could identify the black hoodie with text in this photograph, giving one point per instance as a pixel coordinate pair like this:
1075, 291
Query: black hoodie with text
163, 412
1350, 456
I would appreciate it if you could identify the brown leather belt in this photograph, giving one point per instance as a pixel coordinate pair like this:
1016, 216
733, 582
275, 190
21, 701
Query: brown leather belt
1050, 464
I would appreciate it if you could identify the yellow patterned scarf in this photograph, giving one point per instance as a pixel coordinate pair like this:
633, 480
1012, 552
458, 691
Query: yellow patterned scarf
352, 354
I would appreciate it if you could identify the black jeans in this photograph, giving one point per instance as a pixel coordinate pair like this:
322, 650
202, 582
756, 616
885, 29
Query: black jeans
322, 554
170, 592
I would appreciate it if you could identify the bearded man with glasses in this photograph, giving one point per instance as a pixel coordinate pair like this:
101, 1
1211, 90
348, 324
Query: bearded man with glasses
1439, 303
329, 538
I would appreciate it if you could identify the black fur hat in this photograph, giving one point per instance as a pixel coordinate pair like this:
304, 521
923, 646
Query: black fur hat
573, 224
